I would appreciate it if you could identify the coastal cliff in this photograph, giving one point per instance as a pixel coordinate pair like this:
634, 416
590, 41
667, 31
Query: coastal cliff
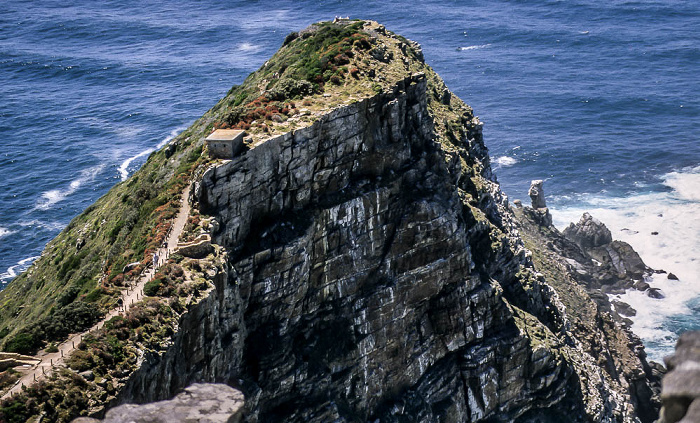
365, 265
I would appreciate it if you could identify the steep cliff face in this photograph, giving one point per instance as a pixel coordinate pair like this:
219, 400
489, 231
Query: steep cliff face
373, 274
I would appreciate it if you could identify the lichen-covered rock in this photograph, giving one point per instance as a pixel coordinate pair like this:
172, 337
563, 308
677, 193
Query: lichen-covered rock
199, 403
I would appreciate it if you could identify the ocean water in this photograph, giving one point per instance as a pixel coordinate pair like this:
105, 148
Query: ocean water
600, 99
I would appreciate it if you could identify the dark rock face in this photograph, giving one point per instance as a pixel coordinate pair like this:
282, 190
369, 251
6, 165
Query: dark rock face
368, 278
681, 386
210, 403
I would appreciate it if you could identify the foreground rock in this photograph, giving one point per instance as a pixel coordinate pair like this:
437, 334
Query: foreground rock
199, 403
681, 386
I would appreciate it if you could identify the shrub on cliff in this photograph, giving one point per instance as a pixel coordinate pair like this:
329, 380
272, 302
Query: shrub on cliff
74, 317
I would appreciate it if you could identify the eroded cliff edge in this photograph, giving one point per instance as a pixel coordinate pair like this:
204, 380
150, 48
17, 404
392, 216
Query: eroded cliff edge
369, 267
374, 272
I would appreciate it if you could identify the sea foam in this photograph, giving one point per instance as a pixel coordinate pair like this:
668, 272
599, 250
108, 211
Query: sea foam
664, 228
505, 161
16, 269
467, 48
124, 167
49, 198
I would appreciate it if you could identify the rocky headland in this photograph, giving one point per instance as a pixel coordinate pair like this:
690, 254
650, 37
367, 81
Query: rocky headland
361, 264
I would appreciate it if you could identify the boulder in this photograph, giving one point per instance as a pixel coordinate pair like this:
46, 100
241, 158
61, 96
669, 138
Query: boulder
588, 232
624, 309
655, 293
88, 375
211, 403
672, 277
680, 392
641, 286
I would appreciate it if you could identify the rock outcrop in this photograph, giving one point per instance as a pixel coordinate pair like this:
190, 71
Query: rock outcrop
602, 261
536, 193
368, 279
589, 232
581, 282
680, 393
539, 210
199, 403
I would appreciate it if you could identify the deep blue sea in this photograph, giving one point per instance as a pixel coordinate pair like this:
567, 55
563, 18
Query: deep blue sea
601, 99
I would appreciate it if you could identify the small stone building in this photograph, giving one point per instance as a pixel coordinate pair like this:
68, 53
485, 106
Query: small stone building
225, 143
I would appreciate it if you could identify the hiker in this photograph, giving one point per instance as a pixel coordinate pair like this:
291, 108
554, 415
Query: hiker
155, 260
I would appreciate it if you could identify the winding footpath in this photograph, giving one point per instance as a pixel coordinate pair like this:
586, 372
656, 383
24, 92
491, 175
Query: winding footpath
129, 296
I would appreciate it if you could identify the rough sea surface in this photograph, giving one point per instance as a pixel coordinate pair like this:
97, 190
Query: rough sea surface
601, 99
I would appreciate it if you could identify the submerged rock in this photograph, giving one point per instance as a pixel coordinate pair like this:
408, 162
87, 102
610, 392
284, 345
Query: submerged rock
655, 293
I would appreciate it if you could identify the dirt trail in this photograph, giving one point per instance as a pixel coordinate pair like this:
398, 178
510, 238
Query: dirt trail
129, 296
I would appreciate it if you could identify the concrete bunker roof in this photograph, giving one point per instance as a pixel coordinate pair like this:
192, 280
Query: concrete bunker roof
225, 135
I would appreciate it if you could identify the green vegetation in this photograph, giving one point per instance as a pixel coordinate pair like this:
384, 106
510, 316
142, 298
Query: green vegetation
72, 318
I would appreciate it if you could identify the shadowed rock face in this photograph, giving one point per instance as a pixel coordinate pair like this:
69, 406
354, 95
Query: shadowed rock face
360, 285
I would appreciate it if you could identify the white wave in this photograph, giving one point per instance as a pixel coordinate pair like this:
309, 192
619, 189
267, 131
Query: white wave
51, 226
664, 228
686, 183
505, 161
248, 47
4, 232
49, 198
18, 268
467, 48
124, 167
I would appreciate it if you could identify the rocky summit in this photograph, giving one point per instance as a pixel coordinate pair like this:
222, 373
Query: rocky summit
362, 264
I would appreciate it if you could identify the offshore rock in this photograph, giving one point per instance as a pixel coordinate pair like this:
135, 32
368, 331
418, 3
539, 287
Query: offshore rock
199, 403
681, 385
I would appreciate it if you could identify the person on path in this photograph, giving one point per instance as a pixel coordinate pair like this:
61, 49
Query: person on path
155, 260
